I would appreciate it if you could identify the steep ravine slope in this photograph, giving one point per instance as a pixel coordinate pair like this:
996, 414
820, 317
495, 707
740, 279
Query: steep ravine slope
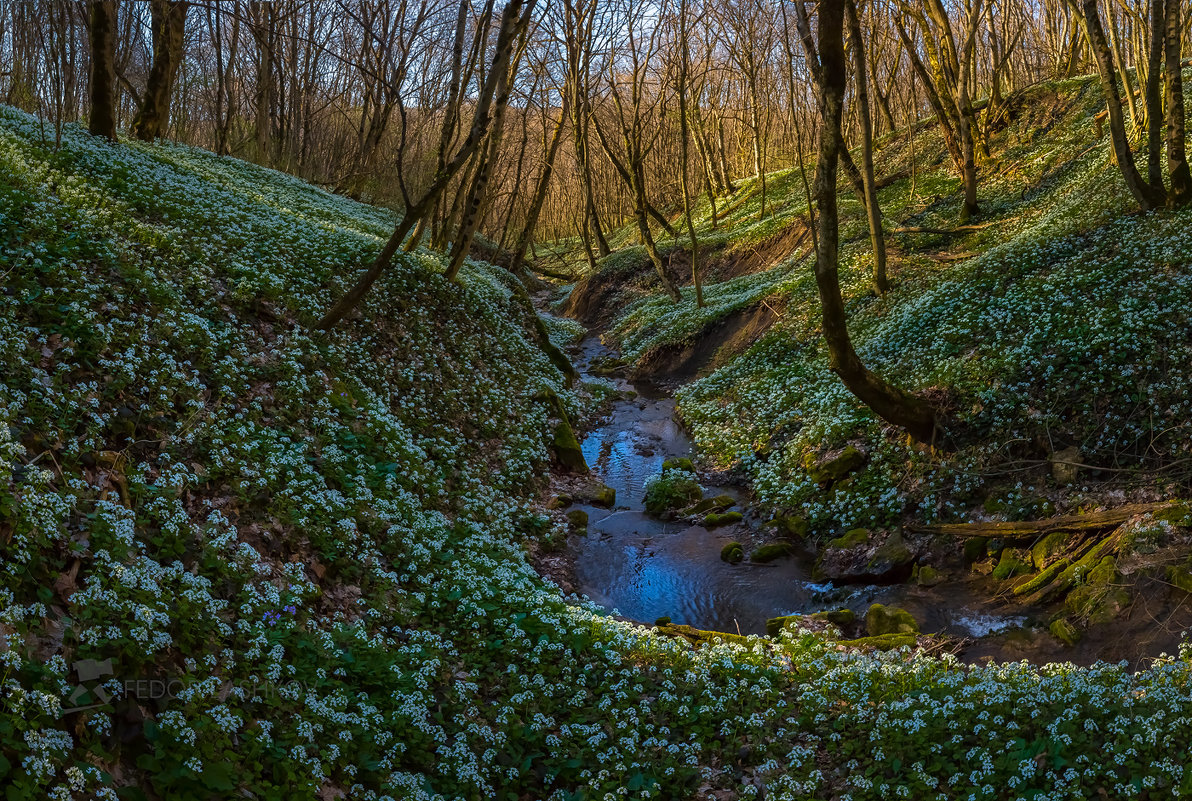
240, 561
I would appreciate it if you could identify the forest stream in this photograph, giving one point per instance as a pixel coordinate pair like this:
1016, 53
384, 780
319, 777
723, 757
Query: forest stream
647, 568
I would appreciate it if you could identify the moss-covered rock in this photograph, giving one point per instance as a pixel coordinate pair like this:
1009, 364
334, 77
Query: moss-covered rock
1012, 563
564, 443
1180, 577
838, 617
681, 463
671, 491
790, 526
770, 551
928, 576
698, 636
883, 642
1064, 631
975, 549
722, 519
578, 518
880, 620
732, 553
597, 494
850, 539
776, 624
834, 467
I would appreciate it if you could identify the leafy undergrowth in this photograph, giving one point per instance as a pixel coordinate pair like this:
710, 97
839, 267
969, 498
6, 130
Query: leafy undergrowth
1063, 320
241, 561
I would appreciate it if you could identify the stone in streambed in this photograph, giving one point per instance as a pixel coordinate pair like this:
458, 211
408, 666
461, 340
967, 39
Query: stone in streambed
732, 553
713, 520
769, 552
881, 620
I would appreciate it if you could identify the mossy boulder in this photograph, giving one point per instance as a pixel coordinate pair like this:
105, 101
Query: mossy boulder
928, 576
881, 620
833, 466
682, 463
732, 553
1064, 631
770, 551
560, 501
597, 494
860, 556
564, 443
1014, 562
1180, 577
578, 518
838, 617
722, 519
670, 491
776, 624
975, 549
850, 539
790, 526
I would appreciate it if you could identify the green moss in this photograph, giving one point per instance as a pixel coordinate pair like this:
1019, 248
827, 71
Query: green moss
975, 549
672, 490
840, 617
598, 494
1178, 514
928, 576
776, 624
1180, 577
1042, 579
791, 526
883, 642
732, 553
1064, 631
770, 551
881, 620
850, 539
682, 463
836, 468
578, 518
1043, 550
893, 552
1013, 563
713, 520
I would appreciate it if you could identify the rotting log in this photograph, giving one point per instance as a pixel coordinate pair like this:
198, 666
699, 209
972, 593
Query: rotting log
924, 229
1017, 531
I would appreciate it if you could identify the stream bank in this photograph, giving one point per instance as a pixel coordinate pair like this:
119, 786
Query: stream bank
645, 568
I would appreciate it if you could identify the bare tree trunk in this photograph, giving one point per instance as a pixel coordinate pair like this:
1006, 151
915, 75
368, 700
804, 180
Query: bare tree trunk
1143, 192
1179, 193
891, 403
102, 121
684, 135
1154, 98
168, 22
873, 212
539, 196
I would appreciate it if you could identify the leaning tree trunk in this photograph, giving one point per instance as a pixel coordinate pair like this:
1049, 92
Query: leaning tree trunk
168, 23
1154, 98
1142, 191
539, 196
102, 121
891, 403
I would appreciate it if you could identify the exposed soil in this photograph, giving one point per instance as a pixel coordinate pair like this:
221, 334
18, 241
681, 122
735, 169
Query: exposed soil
671, 365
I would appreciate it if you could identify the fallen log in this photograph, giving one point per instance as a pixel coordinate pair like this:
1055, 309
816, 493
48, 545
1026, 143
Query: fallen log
924, 229
1033, 528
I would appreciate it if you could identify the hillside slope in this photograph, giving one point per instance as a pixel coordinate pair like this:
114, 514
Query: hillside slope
240, 561
1061, 320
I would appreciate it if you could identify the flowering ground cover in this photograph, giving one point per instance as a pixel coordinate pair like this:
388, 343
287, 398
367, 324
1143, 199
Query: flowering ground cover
243, 561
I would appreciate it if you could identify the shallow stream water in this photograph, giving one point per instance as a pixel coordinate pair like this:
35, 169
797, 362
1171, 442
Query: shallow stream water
646, 568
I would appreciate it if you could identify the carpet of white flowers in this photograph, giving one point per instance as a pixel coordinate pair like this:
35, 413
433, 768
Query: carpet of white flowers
1067, 323
316, 544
